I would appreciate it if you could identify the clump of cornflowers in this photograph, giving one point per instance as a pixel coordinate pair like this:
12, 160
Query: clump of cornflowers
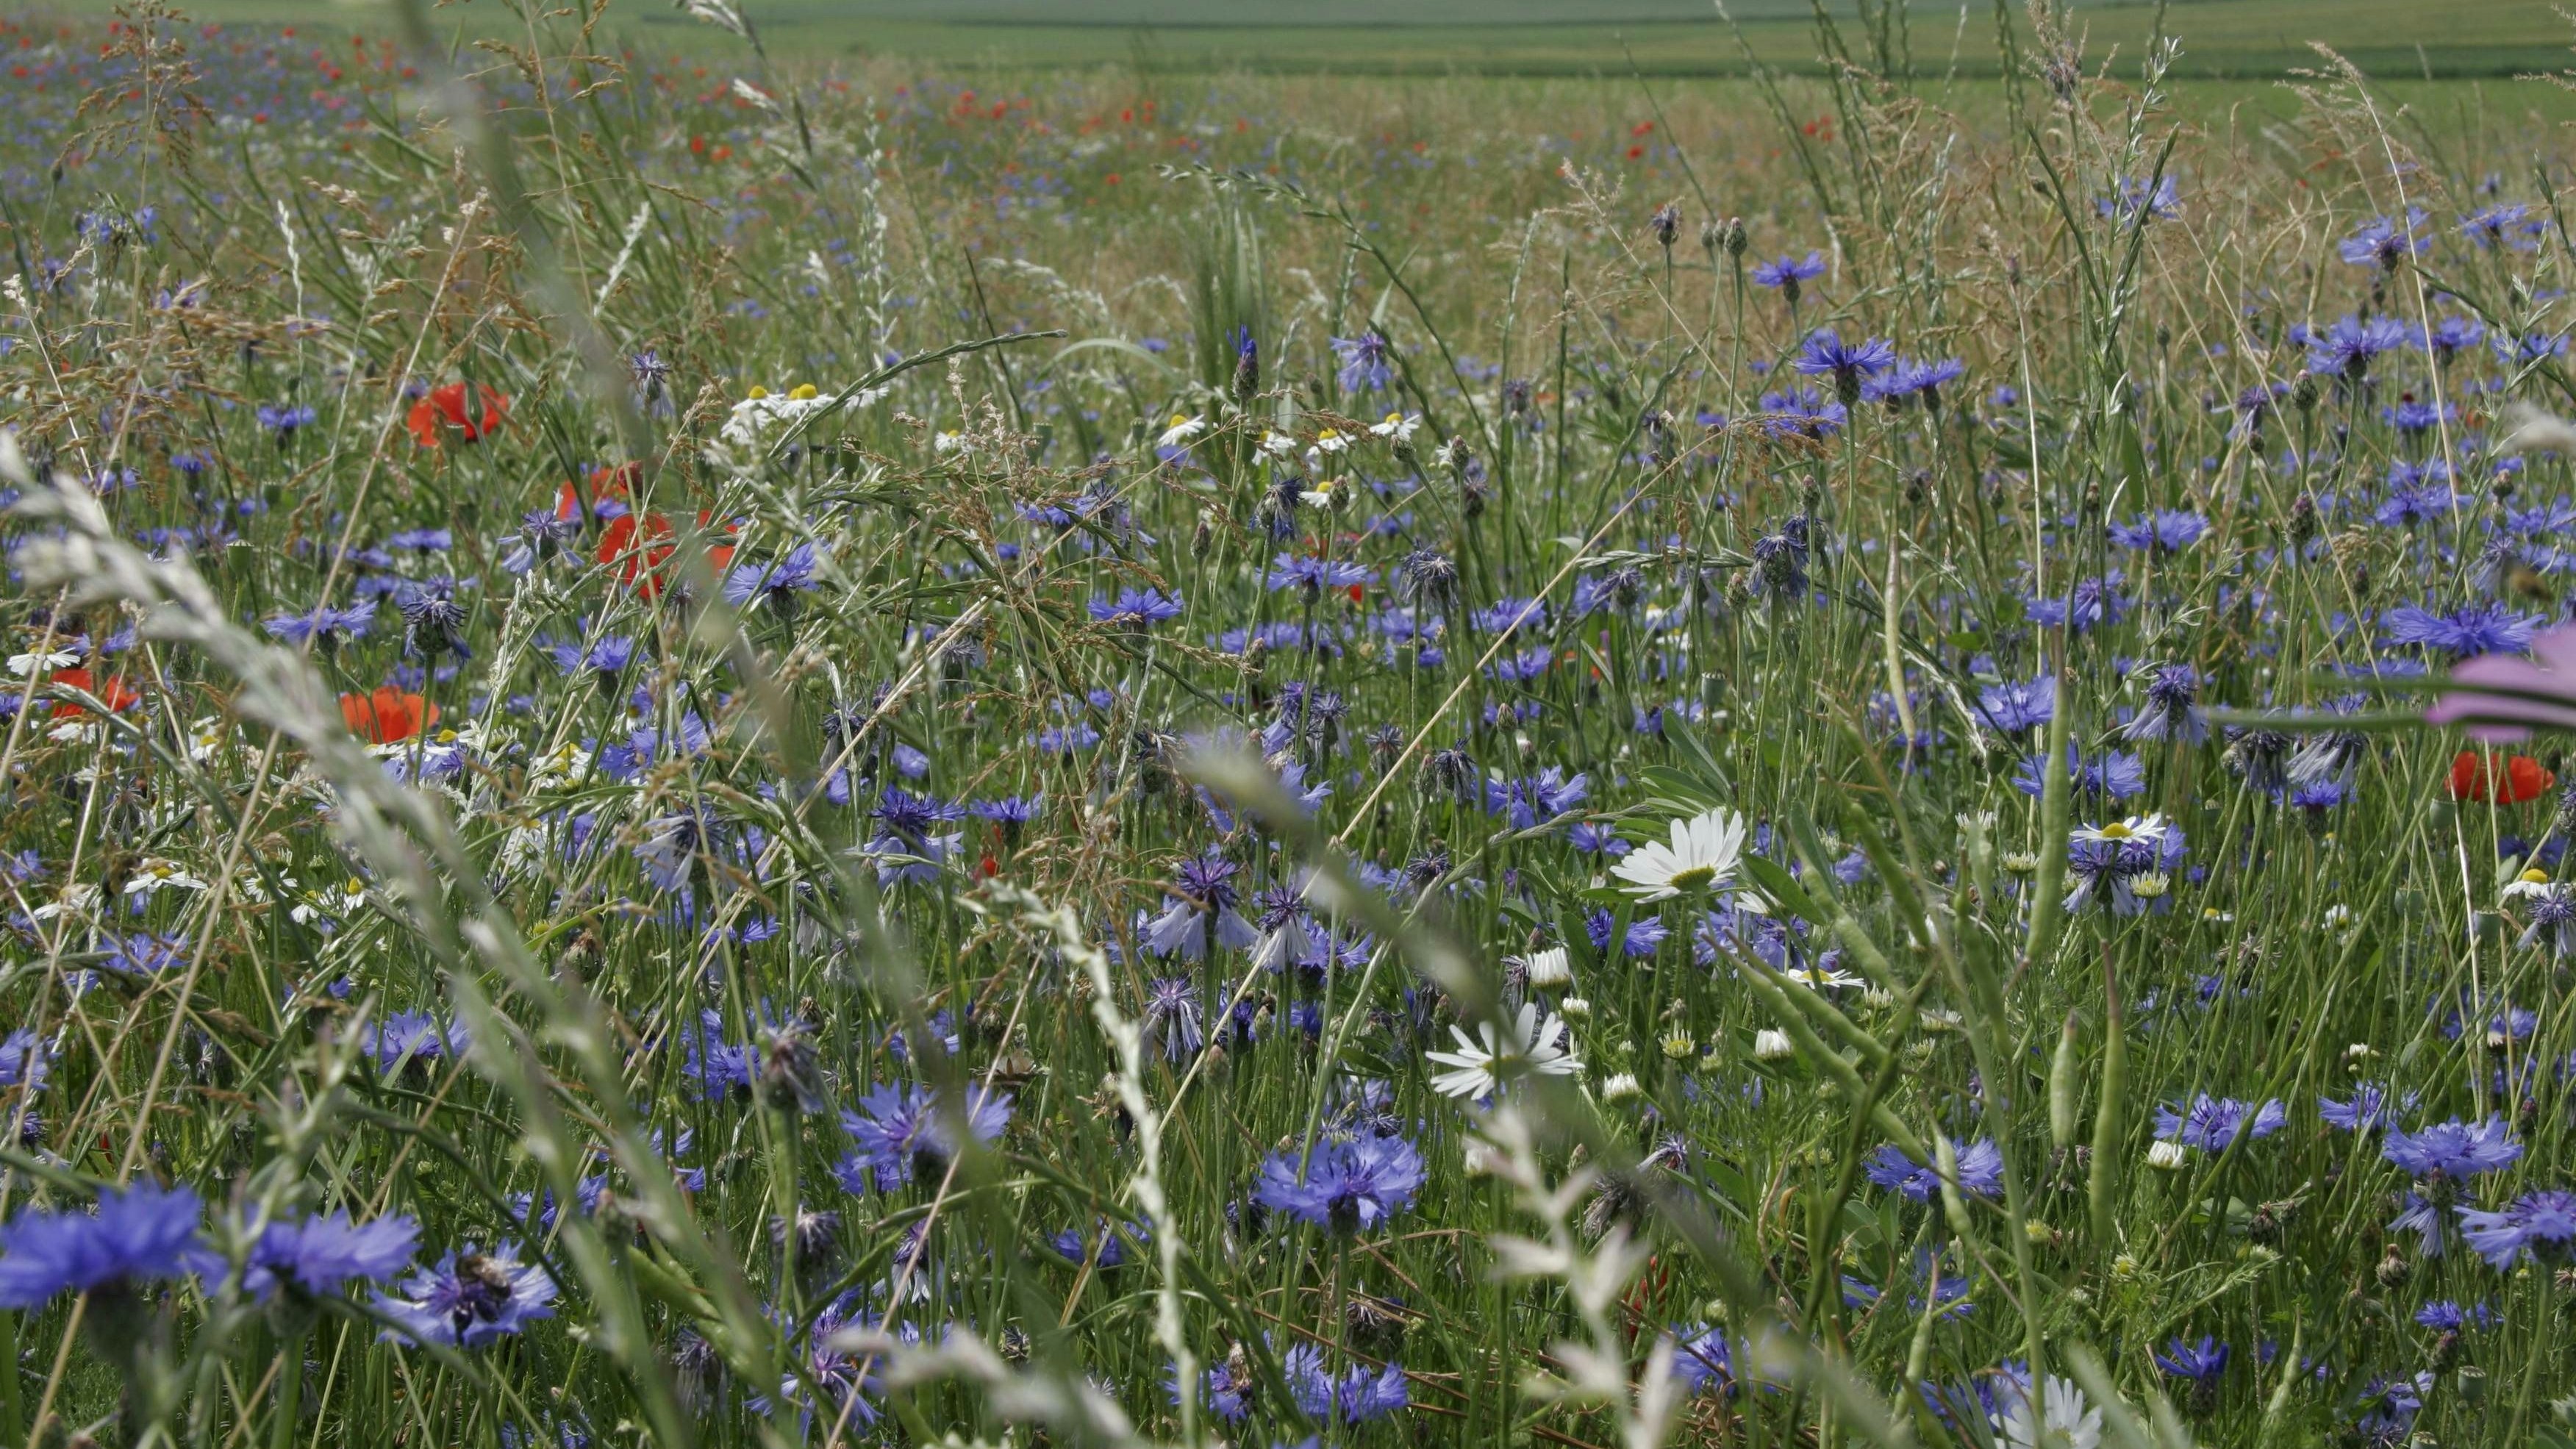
900, 1134
131, 1237
2213, 1124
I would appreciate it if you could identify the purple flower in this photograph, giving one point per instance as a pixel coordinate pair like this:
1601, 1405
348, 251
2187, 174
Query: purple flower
138, 1234
470, 1299
2531, 1224
2345, 349
1345, 1186
2454, 1149
776, 585
1364, 362
2384, 241
324, 626
1981, 1172
1200, 912
1701, 1359
900, 1133
1786, 273
2369, 1107
2166, 530
1849, 364
2172, 710
1289, 571
1174, 1017
1136, 607
2013, 707
2463, 633
323, 1254
2212, 1123
2201, 1363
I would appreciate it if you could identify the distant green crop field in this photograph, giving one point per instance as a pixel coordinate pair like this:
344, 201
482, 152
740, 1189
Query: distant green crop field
2247, 39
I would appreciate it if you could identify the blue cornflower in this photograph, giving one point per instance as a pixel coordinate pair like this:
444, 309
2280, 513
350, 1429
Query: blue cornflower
1849, 364
324, 626
1981, 1172
1786, 273
1531, 799
141, 1233
2212, 1123
2136, 196
2116, 774
1702, 1359
1645, 936
2444, 1316
2369, 1106
2165, 530
433, 619
2089, 602
1507, 615
1347, 1186
1908, 380
2172, 710
25, 1060
2384, 241
1200, 912
413, 1036
2487, 226
2201, 1362
1174, 1017
900, 1133
1289, 571
2454, 1149
2470, 630
1364, 362
776, 585
323, 1254
1136, 607
2345, 349
2531, 1224
1247, 361
2416, 495
1802, 412
284, 418
2453, 335
2014, 707
423, 540
470, 1299
2525, 349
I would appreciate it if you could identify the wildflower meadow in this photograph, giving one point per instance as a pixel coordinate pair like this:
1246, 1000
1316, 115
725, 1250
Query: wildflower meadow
708, 744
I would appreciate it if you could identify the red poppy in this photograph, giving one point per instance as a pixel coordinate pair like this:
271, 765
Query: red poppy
387, 717
2509, 781
605, 482
115, 694
445, 415
636, 547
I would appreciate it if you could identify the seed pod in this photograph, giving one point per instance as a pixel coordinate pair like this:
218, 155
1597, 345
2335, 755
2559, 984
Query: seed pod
2061, 1088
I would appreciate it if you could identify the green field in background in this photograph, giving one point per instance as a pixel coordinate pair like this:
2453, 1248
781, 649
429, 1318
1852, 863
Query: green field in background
2249, 39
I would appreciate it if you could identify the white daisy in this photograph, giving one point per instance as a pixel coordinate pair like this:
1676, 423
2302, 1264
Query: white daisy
1183, 428
1550, 967
2532, 882
1482, 1066
1704, 852
2067, 1416
1396, 426
2119, 832
159, 874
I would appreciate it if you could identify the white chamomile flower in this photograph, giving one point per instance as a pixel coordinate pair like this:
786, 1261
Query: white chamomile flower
157, 874
1277, 444
1703, 855
1332, 440
2167, 1156
1397, 426
1620, 1087
1550, 967
1821, 977
1481, 1066
1771, 1044
2532, 882
1181, 429
1328, 494
2066, 1417
2121, 832
23, 665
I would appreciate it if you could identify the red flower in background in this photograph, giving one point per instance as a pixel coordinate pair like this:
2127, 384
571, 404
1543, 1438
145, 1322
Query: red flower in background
2508, 781
116, 694
459, 412
605, 482
387, 717
638, 547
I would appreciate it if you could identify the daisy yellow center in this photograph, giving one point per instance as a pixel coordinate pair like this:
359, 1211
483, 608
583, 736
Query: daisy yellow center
355, 887
1327, 435
2535, 876
1394, 418
803, 392
1178, 421
758, 392
1694, 875
2117, 831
